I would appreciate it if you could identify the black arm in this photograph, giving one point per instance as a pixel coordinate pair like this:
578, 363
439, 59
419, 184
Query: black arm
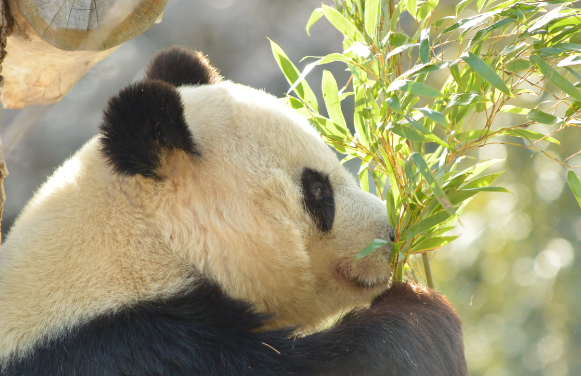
407, 331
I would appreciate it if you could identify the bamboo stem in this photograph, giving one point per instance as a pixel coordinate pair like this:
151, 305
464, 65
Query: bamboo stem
428, 270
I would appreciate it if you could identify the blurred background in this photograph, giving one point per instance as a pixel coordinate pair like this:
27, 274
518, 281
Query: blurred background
512, 273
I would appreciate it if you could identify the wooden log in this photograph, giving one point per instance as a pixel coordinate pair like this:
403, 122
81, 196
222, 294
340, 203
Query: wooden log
37, 72
90, 25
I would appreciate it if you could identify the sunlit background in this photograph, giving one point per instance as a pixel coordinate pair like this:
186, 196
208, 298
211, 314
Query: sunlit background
512, 275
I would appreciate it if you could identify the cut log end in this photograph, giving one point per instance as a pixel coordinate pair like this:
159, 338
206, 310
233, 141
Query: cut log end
90, 25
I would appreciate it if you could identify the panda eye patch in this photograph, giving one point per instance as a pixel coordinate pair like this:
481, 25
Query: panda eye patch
318, 198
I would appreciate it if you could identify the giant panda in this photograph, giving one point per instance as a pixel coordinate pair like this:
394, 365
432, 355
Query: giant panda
208, 230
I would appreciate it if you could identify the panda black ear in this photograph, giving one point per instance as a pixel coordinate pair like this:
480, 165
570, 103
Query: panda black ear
142, 123
178, 66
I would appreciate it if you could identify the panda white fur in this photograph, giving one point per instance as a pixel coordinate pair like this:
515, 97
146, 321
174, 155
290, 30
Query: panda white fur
208, 230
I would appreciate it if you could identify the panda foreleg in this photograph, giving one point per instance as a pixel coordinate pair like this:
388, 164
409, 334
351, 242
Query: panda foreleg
408, 330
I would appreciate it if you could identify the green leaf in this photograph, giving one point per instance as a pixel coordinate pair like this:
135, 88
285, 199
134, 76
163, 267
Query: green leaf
303, 90
372, 8
431, 182
480, 4
397, 39
408, 133
464, 194
331, 97
542, 117
412, 7
483, 181
395, 16
400, 49
455, 71
503, 5
517, 65
414, 88
555, 77
542, 21
466, 99
440, 21
425, 68
393, 102
575, 106
325, 60
375, 244
342, 24
425, 46
461, 5
486, 72
425, 224
482, 166
432, 243
436, 116
575, 185
530, 135
515, 110
315, 16
426, 132
426, 8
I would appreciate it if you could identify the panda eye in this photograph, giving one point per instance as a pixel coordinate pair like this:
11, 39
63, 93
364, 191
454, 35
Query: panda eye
318, 198
318, 191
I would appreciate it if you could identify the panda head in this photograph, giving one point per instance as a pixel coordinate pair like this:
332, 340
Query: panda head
195, 177
245, 191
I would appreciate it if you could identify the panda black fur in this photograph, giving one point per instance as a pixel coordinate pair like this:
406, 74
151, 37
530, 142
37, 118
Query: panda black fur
209, 231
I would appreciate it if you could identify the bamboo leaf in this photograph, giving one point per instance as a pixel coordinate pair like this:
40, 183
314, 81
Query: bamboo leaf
400, 49
575, 185
432, 243
393, 102
555, 77
327, 59
425, 224
466, 99
414, 88
436, 116
530, 135
517, 65
464, 194
303, 90
342, 24
331, 97
542, 117
425, 46
315, 16
426, 9
372, 8
461, 6
515, 110
431, 182
412, 7
370, 248
408, 133
486, 72
426, 132
483, 181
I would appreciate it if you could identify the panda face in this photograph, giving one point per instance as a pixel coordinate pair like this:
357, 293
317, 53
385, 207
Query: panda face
291, 218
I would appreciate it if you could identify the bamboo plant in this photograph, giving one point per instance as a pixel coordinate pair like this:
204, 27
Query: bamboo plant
424, 100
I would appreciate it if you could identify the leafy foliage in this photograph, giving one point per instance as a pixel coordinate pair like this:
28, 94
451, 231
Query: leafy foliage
413, 126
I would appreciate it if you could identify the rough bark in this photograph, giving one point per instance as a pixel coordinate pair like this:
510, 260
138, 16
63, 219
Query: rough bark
90, 25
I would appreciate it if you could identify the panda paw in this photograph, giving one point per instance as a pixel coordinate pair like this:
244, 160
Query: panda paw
428, 329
